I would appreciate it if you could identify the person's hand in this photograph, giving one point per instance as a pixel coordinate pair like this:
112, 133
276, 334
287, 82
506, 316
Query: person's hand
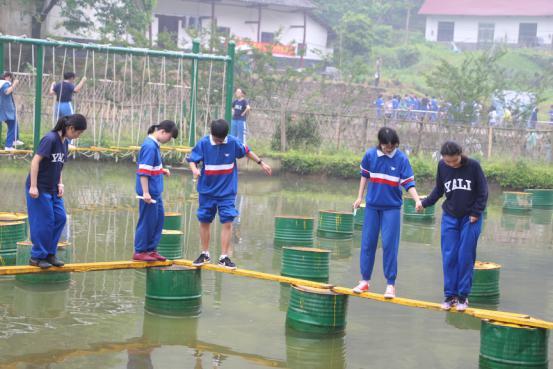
357, 203
167, 172
473, 219
147, 198
33, 192
266, 168
15, 82
418, 206
84, 79
196, 173
60, 190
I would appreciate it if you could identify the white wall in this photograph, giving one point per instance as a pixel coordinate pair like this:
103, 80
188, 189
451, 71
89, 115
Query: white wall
15, 19
506, 28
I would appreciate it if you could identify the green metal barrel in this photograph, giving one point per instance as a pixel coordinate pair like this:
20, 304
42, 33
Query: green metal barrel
510, 346
11, 232
359, 217
23, 255
172, 221
307, 351
317, 311
485, 283
541, 198
340, 249
174, 291
170, 244
293, 230
410, 212
517, 202
335, 224
418, 233
305, 263
542, 216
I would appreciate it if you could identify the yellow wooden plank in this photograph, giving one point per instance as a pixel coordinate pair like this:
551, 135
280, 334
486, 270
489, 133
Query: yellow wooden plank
16, 152
83, 267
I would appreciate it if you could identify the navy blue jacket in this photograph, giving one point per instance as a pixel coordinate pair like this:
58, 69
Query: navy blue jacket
465, 188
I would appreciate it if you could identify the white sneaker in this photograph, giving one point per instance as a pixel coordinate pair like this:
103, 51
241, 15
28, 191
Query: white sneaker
390, 292
18, 143
363, 286
9, 148
462, 304
72, 147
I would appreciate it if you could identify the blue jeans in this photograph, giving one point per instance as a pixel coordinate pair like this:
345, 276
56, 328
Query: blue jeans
238, 130
388, 223
459, 240
46, 221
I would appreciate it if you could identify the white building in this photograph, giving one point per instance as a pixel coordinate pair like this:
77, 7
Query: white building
255, 23
527, 23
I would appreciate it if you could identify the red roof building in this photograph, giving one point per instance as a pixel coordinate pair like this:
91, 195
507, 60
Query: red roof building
528, 22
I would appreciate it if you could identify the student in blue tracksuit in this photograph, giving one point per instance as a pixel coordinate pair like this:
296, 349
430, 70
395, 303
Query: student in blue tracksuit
8, 112
386, 169
45, 190
149, 187
466, 190
240, 110
218, 185
64, 91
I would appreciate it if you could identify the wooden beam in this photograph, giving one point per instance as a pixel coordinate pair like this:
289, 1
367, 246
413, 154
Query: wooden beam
83, 267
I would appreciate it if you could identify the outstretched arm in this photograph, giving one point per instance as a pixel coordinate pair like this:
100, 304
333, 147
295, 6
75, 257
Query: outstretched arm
264, 166
80, 85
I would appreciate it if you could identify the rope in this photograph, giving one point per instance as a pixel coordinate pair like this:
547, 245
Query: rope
94, 97
102, 115
222, 110
208, 98
122, 94
132, 102
57, 114
10, 56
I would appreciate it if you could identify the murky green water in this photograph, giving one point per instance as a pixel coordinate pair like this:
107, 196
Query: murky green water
98, 321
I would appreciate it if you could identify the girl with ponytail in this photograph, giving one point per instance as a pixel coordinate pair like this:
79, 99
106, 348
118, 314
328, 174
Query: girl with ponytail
44, 190
149, 187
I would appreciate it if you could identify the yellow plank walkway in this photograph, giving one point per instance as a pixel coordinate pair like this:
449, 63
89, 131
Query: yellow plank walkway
498, 316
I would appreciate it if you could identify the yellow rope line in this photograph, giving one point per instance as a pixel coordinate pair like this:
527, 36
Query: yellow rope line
498, 316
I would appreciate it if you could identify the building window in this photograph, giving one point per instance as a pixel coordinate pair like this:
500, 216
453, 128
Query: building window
192, 22
223, 31
445, 31
527, 34
486, 33
268, 37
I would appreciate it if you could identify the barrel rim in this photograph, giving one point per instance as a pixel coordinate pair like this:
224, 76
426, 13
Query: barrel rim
517, 193
318, 291
534, 189
303, 248
335, 212
172, 232
509, 325
61, 244
294, 217
486, 265
5, 224
172, 214
12, 214
175, 267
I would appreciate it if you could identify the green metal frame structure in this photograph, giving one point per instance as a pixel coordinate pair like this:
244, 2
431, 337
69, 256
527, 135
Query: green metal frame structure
196, 56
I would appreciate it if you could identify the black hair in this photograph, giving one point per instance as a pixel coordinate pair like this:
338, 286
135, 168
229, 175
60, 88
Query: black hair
167, 126
68, 75
387, 135
77, 121
219, 128
7, 74
241, 89
452, 148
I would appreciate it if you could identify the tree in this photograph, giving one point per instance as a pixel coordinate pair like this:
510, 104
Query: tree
113, 20
475, 80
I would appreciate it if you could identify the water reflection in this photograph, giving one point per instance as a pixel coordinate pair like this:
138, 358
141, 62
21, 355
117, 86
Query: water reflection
340, 249
40, 301
314, 352
418, 233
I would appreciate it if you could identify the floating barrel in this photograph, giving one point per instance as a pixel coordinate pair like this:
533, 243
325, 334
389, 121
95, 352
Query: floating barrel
305, 351
410, 212
509, 346
305, 263
293, 230
172, 221
23, 255
335, 224
170, 244
359, 217
14, 217
517, 202
318, 311
174, 291
340, 249
541, 198
485, 283
11, 233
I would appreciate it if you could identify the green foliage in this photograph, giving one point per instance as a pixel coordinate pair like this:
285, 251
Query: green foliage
519, 175
408, 56
300, 135
355, 35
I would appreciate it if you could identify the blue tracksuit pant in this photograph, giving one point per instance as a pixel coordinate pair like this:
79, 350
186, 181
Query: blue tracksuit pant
238, 130
150, 225
46, 220
459, 239
388, 223
62, 109
13, 132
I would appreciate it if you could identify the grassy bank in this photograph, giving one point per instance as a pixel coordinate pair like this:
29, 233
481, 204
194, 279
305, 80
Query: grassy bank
507, 174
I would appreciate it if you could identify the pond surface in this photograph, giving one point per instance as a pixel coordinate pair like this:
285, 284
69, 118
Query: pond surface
98, 321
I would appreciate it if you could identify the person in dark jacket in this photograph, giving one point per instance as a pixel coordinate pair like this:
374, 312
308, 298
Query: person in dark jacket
466, 190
